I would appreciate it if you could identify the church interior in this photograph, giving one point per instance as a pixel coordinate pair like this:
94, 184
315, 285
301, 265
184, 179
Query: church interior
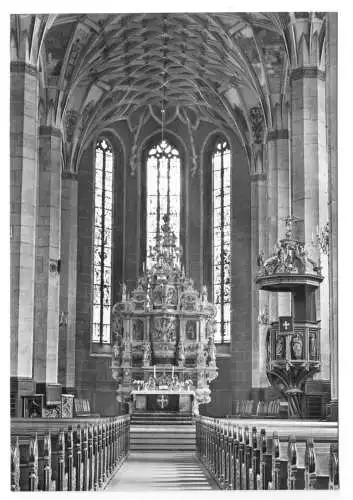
173, 251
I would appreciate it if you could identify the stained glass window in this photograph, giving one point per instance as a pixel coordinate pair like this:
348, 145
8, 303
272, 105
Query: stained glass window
102, 243
221, 227
163, 192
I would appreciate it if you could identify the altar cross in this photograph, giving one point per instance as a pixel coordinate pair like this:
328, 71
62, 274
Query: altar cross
286, 325
162, 401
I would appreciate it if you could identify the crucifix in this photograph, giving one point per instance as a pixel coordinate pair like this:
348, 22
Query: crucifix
162, 401
286, 325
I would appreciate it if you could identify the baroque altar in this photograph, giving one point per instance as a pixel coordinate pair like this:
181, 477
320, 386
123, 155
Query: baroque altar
163, 334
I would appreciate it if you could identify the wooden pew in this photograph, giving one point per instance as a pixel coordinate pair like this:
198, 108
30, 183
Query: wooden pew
265, 460
333, 467
50, 455
15, 466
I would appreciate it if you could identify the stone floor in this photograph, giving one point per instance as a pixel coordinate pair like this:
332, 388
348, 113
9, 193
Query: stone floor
151, 471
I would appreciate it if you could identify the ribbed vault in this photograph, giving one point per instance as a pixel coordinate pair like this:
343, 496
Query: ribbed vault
100, 68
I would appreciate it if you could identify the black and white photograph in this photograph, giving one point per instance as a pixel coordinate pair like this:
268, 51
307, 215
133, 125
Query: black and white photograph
173, 295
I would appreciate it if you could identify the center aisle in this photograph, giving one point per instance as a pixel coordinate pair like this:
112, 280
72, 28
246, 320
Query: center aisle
161, 470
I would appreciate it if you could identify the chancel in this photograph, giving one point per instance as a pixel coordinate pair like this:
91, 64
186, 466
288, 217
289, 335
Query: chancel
174, 318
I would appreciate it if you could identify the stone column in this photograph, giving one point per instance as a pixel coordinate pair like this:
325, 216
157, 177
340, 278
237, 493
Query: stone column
132, 230
260, 298
310, 197
278, 206
331, 110
23, 199
194, 253
47, 278
68, 278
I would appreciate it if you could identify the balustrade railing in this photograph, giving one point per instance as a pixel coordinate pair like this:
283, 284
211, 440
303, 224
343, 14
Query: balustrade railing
67, 454
240, 458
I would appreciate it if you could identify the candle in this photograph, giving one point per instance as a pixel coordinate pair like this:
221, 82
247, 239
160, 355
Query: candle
172, 371
154, 371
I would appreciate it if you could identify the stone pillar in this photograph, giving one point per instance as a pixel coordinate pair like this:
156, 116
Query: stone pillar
132, 229
331, 113
68, 278
23, 198
260, 298
47, 278
194, 227
278, 206
309, 159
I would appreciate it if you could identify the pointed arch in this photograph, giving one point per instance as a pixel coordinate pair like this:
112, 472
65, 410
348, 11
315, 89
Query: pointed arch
221, 238
102, 261
163, 194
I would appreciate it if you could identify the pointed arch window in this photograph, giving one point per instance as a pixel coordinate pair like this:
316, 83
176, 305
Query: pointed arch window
163, 192
102, 269
221, 239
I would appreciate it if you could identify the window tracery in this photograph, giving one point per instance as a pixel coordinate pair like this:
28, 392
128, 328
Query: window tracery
221, 240
163, 192
102, 271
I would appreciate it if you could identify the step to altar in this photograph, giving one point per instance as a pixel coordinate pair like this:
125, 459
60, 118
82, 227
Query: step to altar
161, 418
162, 431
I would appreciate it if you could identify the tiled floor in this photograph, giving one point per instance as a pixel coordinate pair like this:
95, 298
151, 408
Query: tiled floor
148, 471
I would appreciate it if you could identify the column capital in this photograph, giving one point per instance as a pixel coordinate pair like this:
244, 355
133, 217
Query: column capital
258, 177
307, 72
45, 130
23, 67
277, 134
69, 175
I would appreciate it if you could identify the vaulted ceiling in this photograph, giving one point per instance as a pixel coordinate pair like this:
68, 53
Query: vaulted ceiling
100, 68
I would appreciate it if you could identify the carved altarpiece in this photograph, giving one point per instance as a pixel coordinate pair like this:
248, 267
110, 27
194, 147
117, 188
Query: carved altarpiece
163, 333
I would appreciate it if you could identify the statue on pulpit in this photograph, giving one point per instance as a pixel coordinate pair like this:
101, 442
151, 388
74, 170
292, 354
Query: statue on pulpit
280, 347
204, 297
296, 347
312, 346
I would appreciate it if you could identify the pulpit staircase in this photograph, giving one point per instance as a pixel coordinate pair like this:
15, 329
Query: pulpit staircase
162, 431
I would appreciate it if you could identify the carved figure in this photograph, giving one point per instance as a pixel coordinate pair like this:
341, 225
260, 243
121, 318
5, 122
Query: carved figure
280, 347
204, 297
164, 329
181, 353
211, 352
148, 302
116, 351
200, 359
195, 407
157, 295
171, 296
191, 330
123, 292
312, 346
210, 328
296, 347
189, 299
137, 329
147, 354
